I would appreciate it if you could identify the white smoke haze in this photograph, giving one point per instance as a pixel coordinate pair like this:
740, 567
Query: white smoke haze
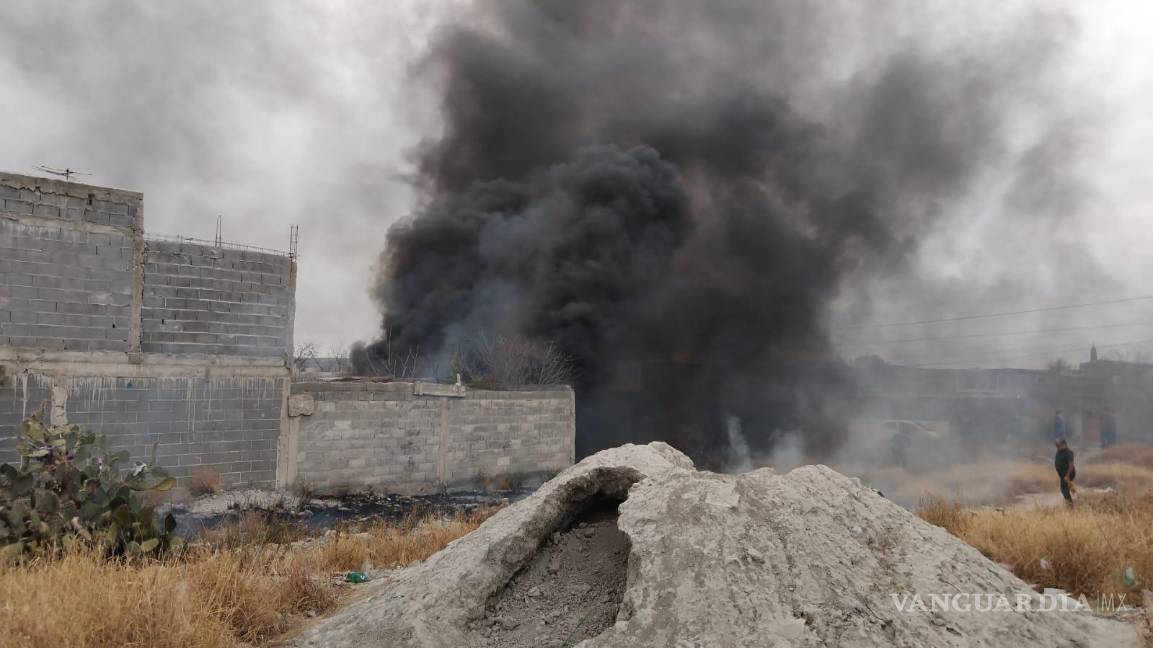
740, 461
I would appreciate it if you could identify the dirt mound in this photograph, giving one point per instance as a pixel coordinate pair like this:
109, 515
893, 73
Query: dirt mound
571, 591
811, 558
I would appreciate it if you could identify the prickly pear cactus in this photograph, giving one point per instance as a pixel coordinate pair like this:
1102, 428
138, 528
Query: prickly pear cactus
68, 485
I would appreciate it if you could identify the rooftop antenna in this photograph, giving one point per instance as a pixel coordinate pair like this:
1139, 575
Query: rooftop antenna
66, 173
219, 230
293, 240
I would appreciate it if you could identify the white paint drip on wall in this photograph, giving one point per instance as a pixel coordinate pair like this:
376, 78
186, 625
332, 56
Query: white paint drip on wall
93, 390
190, 397
200, 394
20, 387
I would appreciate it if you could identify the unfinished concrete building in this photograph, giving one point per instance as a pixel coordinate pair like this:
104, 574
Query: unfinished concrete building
186, 346
175, 343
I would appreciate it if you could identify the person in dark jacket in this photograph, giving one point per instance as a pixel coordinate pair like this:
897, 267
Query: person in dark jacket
1063, 462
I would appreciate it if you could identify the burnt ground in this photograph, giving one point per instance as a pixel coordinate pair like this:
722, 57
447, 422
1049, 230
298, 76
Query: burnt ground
569, 592
310, 515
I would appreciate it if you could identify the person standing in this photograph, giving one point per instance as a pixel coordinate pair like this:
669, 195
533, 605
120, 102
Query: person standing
1060, 428
1090, 426
1066, 471
1108, 428
899, 444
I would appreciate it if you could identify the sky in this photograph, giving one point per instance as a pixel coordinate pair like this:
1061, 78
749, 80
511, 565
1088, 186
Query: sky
272, 113
1104, 86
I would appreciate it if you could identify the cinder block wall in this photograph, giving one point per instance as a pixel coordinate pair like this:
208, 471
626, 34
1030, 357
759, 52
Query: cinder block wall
70, 202
229, 424
382, 435
67, 255
203, 299
208, 383
20, 396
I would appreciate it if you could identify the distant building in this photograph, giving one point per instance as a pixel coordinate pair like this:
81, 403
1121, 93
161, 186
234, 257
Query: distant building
320, 368
996, 406
167, 345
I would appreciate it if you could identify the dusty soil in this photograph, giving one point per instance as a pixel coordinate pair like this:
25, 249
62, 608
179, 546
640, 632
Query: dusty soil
569, 592
1032, 501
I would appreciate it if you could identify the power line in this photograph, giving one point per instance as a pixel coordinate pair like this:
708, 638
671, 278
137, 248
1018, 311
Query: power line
995, 356
1029, 351
1000, 333
989, 315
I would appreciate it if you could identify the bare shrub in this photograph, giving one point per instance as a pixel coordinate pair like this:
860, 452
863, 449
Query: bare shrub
394, 363
304, 490
206, 481
500, 360
303, 355
341, 360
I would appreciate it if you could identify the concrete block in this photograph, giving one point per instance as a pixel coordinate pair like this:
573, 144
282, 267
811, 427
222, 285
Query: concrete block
46, 211
19, 207
301, 405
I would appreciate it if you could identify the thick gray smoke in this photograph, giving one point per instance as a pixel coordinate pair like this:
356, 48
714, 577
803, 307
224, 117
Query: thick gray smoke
673, 192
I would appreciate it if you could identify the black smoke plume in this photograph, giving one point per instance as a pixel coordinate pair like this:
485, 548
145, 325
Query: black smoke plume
673, 191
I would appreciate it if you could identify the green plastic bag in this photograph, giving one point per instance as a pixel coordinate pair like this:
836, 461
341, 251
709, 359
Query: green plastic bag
355, 577
1129, 577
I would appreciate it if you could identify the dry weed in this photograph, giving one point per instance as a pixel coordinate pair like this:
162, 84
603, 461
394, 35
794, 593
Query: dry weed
1137, 454
974, 483
242, 589
947, 514
1083, 550
85, 600
206, 481
253, 527
997, 481
388, 545
1120, 476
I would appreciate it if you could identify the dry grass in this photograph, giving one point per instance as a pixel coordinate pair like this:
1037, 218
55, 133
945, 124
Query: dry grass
82, 600
386, 545
254, 527
242, 589
947, 514
206, 481
1136, 454
974, 483
998, 481
1083, 550
1116, 475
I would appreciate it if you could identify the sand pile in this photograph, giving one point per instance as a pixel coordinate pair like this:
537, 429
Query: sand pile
811, 558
